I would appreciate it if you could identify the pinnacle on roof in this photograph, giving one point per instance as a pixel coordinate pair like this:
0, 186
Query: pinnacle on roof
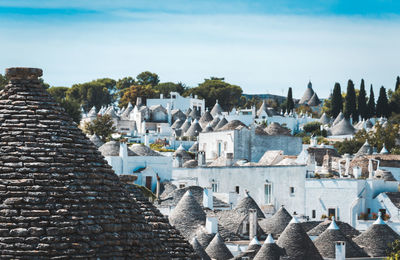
217, 249
379, 220
216, 110
269, 240
325, 243
76, 179
384, 150
297, 243
92, 112
294, 220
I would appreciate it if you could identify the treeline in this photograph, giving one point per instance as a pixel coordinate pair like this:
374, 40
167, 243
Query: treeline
106, 91
355, 103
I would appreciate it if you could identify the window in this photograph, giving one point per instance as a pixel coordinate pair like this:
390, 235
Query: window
173, 96
148, 182
292, 191
214, 187
237, 189
369, 210
313, 213
182, 185
332, 213
268, 193
383, 212
219, 149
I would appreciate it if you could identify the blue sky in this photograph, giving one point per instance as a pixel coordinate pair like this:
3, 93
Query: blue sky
263, 46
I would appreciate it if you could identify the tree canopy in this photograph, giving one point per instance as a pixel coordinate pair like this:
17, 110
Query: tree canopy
3, 81
382, 105
147, 78
135, 91
350, 102
70, 106
337, 100
289, 101
167, 87
362, 101
102, 126
213, 89
371, 103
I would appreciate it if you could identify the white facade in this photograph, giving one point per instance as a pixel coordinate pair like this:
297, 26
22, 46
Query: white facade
150, 165
291, 186
176, 101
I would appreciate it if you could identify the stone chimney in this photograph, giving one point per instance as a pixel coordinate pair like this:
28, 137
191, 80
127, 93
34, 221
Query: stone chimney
212, 225
138, 101
340, 250
208, 198
252, 223
158, 187
201, 158
229, 159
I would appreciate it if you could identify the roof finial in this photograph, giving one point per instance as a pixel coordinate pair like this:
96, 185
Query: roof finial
379, 220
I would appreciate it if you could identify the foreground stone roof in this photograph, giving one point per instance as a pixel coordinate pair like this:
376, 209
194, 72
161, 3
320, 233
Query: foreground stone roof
59, 197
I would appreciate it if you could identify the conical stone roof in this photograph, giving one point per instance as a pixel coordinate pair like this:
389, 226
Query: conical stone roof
199, 249
187, 113
297, 243
345, 228
314, 100
377, 238
339, 118
208, 129
277, 223
215, 122
263, 108
343, 128
194, 148
269, 251
177, 124
246, 204
127, 111
217, 249
324, 119
216, 110
112, 148
307, 94
188, 215
205, 119
143, 150
186, 125
203, 236
60, 197
276, 129
194, 129
195, 114
221, 123
325, 243
365, 149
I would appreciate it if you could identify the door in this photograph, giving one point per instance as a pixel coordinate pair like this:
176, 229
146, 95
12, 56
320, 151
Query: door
268, 193
148, 182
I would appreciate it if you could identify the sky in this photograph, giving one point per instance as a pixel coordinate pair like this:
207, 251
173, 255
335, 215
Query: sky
263, 46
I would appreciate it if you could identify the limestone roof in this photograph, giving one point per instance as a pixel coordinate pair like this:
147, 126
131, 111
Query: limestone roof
376, 239
190, 164
199, 249
262, 108
307, 94
221, 123
205, 119
314, 100
296, 243
127, 111
345, 228
366, 148
177, 124
325, 119
203, 237
325, 243
186, 125
215, 122
177, 114
143, 150
188, 215
343, 128
187, 113
218, 250
276, 129
182, 152
339, 118
277, 223
111, 148
231, 125
269, 251
194, 129
208, 129
69, 201
216, 110
246, 204
194, 148
195, 114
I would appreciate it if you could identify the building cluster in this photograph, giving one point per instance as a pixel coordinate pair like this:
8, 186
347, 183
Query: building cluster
239, 191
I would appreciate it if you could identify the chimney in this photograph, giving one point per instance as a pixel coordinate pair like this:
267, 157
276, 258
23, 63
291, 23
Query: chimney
20, 73
252, 223
158, 187
340, 250
178, 161
146, 140
208, 198
161, 96
138, 101
201, 158
229, 159
212, 225
123, 150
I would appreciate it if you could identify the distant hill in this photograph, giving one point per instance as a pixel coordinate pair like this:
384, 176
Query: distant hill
280, 99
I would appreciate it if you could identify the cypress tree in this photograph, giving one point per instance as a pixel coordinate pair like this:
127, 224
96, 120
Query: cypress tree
382, 106
350, 102
397, 83
371, 103
362, 101
289, 101
337, 100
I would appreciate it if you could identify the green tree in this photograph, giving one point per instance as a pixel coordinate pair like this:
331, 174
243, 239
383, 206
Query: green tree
96, 93
382, 105
337, 101
122, 85
131, 95
397, 83
3, 81
70, 106
147, 78
102, 126
167, 87
289, 101
362, 101
216, 88
371, 103
350, 102
393, 252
